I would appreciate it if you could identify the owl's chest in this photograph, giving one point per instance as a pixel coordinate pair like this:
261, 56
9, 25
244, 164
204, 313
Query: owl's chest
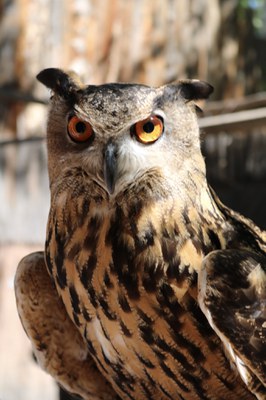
128, 283
115, 263
126, 287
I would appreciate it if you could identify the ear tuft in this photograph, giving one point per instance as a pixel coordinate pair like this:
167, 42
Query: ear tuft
194, 89
59, 81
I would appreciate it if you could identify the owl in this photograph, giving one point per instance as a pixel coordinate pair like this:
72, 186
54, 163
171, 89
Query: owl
148, 286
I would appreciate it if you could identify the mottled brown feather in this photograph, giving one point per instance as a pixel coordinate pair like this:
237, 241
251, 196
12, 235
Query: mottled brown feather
57, 344
237, 311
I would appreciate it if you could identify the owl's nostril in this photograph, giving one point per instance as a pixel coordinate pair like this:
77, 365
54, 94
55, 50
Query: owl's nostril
110, 166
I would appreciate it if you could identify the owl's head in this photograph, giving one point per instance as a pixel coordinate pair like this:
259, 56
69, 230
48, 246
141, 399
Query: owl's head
118, 132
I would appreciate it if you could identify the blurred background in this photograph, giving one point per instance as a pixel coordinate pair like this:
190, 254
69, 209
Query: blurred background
145, 41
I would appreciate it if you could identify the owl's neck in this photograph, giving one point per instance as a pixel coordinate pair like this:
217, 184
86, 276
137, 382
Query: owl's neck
192, 224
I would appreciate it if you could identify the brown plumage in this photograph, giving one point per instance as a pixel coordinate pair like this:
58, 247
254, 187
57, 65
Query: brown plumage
132, 220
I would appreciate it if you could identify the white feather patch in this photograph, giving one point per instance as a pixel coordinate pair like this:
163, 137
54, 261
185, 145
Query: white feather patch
107, 347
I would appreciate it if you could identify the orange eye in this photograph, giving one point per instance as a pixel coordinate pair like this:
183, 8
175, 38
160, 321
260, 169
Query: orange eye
149, 130
79, 131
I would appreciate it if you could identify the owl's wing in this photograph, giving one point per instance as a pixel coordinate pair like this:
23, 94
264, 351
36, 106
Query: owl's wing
232, 295
57, 344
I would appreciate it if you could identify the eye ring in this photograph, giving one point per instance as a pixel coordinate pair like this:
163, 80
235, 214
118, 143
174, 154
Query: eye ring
79, 130
149, 130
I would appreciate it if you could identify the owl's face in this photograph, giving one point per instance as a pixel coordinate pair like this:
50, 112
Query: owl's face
118, 132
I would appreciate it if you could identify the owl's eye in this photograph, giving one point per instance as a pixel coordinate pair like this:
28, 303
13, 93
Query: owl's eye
148, 130
79, 130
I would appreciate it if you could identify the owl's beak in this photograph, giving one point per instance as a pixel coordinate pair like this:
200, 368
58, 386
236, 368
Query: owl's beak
110, 166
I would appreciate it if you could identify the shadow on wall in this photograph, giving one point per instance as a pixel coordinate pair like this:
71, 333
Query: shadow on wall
236, 169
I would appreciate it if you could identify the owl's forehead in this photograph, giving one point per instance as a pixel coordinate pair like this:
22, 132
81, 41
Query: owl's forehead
117, 104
